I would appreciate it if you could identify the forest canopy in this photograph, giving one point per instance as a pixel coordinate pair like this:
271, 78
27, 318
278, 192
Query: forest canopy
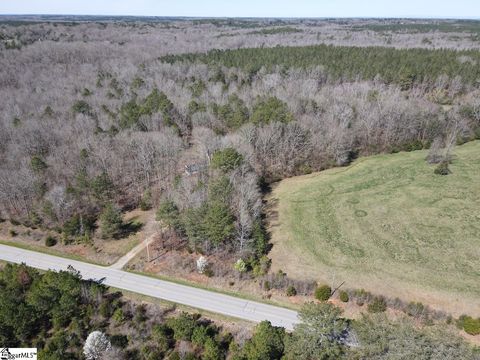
350, 63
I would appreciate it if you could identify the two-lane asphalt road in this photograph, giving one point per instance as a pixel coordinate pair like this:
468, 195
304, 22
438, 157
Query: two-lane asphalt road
181, 294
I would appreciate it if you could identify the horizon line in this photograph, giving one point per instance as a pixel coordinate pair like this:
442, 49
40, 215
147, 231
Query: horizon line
406, 17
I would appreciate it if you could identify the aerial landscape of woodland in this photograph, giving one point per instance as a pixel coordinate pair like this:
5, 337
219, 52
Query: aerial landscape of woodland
325, 166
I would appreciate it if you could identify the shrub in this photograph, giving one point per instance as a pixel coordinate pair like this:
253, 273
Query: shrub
377, 305
140, 314
194, 107
240, 266
119, 316
120, 341
183, 326
37, 163
105, 309
78, 225
261, 266
81, 107
415, 309
208, 272
137, 82
470, 325
50, 241
162, 335
200, 335
227, 159
344, 296
211, 350
323, 292
12, 233
86, 92
291, 291
442, 169
266, 285
146, 201
362, 296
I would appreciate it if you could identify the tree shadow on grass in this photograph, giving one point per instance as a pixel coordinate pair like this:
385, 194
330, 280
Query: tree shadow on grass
131, 227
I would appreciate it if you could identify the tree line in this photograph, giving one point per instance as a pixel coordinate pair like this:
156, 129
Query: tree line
401, 66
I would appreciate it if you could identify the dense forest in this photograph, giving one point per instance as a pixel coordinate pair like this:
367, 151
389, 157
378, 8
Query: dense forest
401, 66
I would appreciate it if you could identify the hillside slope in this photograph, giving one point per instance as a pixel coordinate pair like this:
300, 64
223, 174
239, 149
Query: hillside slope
387, 224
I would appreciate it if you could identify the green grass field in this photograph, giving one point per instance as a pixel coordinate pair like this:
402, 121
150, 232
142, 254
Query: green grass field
387, 224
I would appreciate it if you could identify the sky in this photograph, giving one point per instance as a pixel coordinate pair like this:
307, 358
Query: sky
250, 8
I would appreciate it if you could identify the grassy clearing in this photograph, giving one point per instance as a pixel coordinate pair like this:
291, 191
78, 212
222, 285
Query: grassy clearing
387, 224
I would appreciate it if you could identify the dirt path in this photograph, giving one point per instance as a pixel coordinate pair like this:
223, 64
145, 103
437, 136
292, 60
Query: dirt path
151, 228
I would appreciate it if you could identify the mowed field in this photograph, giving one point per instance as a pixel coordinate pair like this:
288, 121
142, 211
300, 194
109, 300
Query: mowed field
387, 224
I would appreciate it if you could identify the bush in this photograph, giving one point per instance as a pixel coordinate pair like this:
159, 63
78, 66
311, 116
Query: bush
12, 233
261, 266
119, 316
78, 225
362, 296
50, 241
266, 285
140, 314
183, 326
37, 163
377, 305
240, 266
344, 296
81, 107
200, 335
162, 335
120, 341
442, 169
323, 292
470, 325
415, 309
291, 291
208, 272
146, 201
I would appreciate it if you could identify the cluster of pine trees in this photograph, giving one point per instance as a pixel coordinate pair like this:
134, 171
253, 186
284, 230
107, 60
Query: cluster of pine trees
402, 66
